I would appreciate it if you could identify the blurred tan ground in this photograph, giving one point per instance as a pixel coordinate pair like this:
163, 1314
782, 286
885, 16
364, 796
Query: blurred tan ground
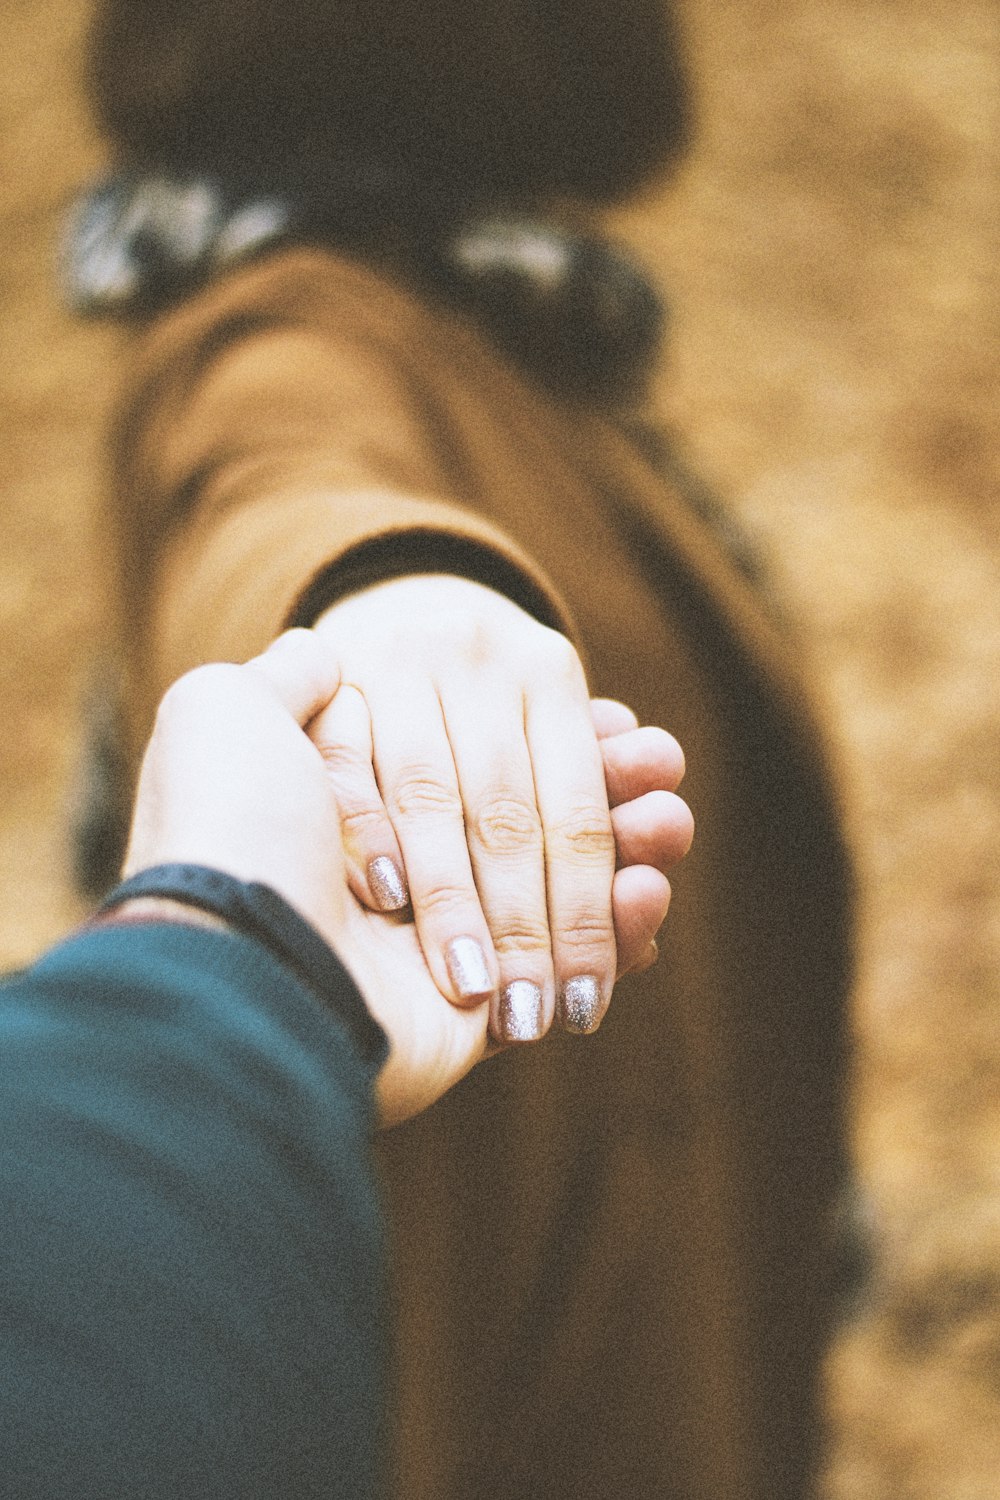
831, 255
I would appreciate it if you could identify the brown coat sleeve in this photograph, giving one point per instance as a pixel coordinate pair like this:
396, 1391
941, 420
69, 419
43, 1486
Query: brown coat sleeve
277, 450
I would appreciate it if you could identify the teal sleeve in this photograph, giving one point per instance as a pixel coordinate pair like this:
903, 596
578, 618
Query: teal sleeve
192, 1294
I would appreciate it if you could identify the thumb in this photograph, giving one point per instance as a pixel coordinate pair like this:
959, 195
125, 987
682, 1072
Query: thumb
300, 671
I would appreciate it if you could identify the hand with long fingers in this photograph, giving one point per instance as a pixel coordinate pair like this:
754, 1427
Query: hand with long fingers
231, 780
467, 764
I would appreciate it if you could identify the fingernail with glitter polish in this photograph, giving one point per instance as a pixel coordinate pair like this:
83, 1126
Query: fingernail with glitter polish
468, 969
521, 1017
386, 884
581, 1004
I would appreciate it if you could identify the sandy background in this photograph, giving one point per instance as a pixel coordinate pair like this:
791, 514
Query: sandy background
831, 255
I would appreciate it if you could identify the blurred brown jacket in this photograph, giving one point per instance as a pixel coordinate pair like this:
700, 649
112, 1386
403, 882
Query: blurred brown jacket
610, 1254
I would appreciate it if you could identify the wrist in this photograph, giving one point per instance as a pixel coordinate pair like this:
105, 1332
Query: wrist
256, 911
413, 554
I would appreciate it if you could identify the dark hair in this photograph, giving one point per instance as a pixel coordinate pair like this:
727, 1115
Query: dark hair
510, 101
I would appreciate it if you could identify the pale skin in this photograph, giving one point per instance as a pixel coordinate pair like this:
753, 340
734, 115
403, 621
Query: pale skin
464, 748
233, 778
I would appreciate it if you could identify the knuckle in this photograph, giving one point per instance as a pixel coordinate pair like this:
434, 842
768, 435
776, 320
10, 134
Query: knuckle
507, 825
443, 899
559, 656
479, 645
357, 822
521, 935
586, 932
420, 791
196, 689
341, 759
584, 836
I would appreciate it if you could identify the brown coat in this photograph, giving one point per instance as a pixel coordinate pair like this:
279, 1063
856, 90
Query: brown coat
609, 1252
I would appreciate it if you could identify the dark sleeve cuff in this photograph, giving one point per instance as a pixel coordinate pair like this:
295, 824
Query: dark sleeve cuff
401, 554
258, 912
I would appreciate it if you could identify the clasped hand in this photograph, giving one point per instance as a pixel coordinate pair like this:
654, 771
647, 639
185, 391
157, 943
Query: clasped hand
502, 799
465, 756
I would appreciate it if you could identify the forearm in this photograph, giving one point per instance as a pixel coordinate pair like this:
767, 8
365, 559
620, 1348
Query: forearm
194, 1284
234, 579
276, 450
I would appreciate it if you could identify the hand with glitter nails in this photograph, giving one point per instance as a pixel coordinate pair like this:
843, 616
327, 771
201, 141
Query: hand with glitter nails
231, 781
529, 829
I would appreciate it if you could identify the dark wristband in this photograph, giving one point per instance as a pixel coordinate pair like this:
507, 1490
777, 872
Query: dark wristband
258, 912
